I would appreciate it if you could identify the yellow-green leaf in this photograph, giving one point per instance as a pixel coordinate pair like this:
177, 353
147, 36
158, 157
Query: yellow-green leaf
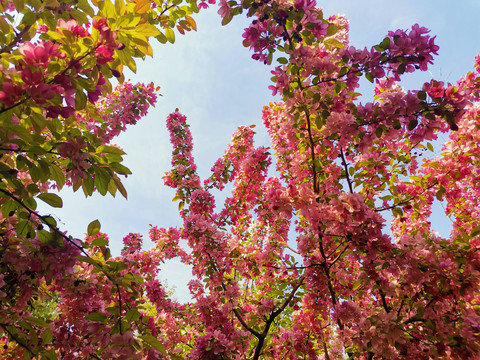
93, 228
51, 199
47, 336
170, 35
333, 42
148, 30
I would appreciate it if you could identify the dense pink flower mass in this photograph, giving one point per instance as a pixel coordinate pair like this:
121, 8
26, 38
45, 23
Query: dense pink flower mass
341, 284
331, 255
124, 106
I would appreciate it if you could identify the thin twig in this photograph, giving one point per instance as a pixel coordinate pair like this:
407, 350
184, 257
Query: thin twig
347, 175
17, 340
15, 40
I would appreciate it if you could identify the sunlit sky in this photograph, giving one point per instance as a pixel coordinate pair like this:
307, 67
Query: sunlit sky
212, 79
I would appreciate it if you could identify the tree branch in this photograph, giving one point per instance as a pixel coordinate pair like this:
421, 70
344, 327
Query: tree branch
287, 300
8, 48
273, 315
245, 325
16, 339
347, 175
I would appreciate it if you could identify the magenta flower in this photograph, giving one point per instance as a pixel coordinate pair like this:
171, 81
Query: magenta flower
39, 54
11, 93
436, 89
104, 55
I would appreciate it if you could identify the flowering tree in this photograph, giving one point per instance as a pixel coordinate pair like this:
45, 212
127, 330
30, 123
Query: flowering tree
297, 266
58, 116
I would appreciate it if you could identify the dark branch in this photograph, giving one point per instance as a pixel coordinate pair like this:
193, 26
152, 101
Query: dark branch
347, 175
8, 48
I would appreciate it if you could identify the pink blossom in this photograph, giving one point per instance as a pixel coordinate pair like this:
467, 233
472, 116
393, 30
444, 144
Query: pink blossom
40, 53
104, 54
73, 27
435, 90
11, 93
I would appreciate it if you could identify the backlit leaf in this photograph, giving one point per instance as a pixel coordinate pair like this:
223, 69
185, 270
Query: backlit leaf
142, 6
170, 35
93, 228
96, 316
51, 199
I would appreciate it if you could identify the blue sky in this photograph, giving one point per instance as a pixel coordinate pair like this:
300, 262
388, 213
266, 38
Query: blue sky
211, 78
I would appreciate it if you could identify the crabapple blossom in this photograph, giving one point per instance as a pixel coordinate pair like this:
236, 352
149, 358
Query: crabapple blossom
332, 256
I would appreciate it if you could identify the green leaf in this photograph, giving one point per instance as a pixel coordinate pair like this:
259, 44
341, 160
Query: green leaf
161, 38
379, 132
357, 285
227, 19
45, 237
49, 355
19, 5
29, 18
282, 60
422, 95
4, 27
430, 147
170, 35
117, 266
475, 231
154, 342
386, 43
138, 278
96, 316
113, 310
147, 30
37, 321
412, 124
99, 242
369, 77
102, 178
57, 175
108, 9
33, 189
132, 315
334, 42
112, 188
396, 211
87, 260
88, 186
51, 199
50, 220
120, 186
120, 169
47, 336
109, 150
80, 100
9, 207
93, 228
332, 30
343, 71
441, 191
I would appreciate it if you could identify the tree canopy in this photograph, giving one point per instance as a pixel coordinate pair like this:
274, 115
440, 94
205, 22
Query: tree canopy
298, 265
